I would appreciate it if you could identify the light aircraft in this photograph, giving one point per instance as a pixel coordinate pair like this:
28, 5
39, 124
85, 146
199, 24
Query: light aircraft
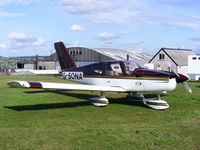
111, 76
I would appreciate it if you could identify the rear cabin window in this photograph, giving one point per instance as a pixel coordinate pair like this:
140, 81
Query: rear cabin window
113, 69
98, 67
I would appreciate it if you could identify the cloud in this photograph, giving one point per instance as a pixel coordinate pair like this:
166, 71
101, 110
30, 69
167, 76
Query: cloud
109, 43
195, 39
75, 44
135, 42
9, 14
86, 6
133, 12
39, 42
18, 35
76, 27
3, 46
22, 39
117, 16
107, 36
7, 2
177, 3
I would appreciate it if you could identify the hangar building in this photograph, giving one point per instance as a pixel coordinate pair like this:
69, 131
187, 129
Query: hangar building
84, 56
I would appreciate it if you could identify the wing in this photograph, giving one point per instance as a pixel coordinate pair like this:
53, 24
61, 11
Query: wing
48, 85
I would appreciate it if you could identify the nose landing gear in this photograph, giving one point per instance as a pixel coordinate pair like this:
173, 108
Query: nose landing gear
154, 104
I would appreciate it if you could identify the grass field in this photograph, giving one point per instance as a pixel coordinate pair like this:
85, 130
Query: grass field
33, 119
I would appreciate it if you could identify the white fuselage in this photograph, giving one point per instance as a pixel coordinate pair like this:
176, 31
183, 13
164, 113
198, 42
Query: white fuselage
130, 85
133, 85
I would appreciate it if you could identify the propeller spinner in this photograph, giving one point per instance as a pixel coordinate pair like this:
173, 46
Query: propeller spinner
183, 79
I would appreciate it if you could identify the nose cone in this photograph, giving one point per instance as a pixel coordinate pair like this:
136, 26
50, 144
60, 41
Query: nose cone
181, 78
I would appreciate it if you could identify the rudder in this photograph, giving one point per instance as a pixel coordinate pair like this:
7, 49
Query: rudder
65, 60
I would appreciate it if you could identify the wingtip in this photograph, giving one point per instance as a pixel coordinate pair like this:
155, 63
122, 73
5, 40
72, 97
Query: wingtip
14, 84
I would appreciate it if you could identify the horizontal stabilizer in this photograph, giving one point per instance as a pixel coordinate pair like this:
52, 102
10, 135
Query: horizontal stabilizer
44, 72
48, 85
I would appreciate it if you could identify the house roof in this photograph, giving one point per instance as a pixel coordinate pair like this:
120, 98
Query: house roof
178, 56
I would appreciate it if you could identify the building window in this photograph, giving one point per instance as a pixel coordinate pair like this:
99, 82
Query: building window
161, 56
75, 52
40, 67
194, 58
159, 67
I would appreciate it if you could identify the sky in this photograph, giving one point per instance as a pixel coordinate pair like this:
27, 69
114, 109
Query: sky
30, 27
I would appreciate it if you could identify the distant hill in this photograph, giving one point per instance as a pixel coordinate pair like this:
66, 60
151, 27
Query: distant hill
28, 57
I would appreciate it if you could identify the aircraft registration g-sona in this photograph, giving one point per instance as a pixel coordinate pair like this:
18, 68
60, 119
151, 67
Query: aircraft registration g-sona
111, 76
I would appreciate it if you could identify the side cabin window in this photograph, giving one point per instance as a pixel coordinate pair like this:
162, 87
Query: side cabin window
113, 69
98, 67
161, 56
130, 67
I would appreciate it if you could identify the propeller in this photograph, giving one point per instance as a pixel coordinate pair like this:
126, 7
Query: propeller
182, 79
186, 86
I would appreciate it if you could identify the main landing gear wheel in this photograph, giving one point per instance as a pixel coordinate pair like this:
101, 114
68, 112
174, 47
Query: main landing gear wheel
99, 101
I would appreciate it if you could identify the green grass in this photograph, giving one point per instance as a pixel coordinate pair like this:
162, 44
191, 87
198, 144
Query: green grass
56, 120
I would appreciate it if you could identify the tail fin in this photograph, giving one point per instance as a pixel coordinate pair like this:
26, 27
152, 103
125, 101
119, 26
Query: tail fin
65, 60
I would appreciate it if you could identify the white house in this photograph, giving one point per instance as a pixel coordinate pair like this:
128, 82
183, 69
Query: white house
172, 59
194, 67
